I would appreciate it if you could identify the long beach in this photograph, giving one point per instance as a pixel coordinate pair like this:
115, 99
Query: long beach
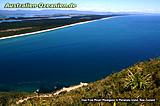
52, 29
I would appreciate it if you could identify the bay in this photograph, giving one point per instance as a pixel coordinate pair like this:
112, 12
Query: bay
81, 53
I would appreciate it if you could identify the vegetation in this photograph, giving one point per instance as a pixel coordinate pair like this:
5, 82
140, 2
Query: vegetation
141, 80
10, 98
31, 25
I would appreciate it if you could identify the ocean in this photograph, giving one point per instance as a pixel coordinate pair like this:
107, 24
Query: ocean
81, 53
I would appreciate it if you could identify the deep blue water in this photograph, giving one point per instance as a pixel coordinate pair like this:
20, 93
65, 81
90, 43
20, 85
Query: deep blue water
84, 53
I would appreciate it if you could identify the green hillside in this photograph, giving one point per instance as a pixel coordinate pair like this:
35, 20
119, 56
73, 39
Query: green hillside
141, 80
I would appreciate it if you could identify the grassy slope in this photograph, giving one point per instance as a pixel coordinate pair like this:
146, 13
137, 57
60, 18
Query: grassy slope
139, 81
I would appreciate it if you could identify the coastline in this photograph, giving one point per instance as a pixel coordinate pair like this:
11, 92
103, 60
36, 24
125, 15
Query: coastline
53, 94
52, 29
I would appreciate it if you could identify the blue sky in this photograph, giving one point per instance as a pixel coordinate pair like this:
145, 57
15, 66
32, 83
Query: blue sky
101, 5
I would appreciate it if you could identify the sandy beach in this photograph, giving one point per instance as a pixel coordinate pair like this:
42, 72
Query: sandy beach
42, 31
53, 94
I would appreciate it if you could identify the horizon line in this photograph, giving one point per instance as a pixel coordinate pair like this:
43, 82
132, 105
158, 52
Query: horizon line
80, 10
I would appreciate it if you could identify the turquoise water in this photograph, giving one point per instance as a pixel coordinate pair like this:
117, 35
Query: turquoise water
84, 53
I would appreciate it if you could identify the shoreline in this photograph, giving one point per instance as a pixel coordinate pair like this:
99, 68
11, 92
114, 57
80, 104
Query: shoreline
68, 89
52, 29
